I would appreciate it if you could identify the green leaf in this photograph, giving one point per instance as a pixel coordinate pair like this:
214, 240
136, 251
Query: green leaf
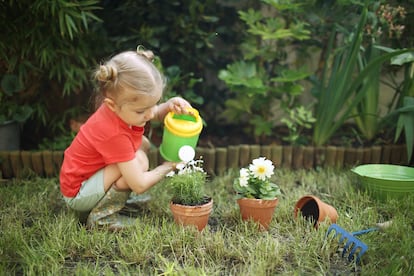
11, 84
242, 74
403, 58
406, 122
283, 5
23, 113
291, 75
70, 26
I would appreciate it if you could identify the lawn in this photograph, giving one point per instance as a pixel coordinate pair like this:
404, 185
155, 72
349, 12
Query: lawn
39, 235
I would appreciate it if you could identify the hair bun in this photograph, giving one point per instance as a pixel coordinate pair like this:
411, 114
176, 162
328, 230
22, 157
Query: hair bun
107, 73
145, 53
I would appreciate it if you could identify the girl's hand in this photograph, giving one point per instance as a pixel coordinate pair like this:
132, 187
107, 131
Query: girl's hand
179, 105
169, 167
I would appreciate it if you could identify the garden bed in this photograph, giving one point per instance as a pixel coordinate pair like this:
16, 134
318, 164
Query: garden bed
41, 236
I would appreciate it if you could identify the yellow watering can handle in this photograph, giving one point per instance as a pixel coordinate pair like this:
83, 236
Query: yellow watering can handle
191, 116
184, 125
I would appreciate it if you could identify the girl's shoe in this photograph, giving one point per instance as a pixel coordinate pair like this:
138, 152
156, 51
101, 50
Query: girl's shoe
106, 212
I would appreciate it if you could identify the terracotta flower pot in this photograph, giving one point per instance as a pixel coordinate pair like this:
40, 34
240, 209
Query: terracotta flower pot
259, 210
192, 215
311, 207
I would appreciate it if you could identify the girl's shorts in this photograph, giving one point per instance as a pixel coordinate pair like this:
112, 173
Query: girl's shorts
90, 193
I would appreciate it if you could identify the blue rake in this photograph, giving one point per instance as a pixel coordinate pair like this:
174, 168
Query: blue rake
353, 245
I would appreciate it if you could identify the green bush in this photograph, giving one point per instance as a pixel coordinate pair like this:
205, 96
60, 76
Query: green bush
51, 47
46, 45
263, 79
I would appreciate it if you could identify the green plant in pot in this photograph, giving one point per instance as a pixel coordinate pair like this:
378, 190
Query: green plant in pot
257, 195
189, 203
12, 112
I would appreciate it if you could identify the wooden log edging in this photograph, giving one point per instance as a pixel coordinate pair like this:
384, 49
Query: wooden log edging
15, 164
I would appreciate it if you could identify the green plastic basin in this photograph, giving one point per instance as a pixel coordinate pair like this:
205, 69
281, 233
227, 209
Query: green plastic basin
385, 181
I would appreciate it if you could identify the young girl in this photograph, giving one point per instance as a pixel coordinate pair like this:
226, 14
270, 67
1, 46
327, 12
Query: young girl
107, 158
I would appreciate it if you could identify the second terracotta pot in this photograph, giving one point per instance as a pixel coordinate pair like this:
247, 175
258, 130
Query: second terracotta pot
192, 215
312, 208
259, 210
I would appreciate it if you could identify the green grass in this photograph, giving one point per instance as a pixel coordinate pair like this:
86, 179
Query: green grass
39, 235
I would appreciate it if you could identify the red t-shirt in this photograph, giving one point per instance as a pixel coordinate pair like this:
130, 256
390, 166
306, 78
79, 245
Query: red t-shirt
104, 139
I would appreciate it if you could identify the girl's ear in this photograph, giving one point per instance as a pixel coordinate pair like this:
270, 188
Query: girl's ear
110, 103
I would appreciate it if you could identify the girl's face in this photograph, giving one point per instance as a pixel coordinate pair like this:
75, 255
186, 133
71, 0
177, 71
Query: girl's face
138, 112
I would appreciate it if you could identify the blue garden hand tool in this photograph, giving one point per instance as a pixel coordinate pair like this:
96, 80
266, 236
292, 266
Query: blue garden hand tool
354, 247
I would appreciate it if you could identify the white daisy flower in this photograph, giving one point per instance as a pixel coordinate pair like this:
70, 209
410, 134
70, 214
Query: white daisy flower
180, 166
184, 170
262, 168
244, 177
170, 174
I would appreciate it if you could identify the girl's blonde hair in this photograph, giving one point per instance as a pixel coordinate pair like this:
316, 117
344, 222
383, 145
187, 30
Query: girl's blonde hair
133, 71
